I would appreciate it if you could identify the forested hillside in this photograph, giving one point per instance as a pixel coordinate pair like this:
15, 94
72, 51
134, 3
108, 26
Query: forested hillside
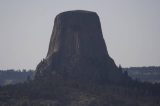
149, 74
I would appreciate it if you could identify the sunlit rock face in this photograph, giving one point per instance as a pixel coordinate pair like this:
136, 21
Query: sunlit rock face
77, 50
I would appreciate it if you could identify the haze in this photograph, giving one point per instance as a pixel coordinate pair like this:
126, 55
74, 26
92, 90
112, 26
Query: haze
131, 29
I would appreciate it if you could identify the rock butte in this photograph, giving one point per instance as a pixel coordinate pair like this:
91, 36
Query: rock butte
77, 50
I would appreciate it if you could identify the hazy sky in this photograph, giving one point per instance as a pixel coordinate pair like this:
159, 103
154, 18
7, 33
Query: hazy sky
131, 29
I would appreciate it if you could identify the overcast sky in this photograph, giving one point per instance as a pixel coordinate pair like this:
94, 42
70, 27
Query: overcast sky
131, 29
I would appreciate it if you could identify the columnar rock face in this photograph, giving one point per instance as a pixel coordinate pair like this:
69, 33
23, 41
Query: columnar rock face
77, 50
77, 32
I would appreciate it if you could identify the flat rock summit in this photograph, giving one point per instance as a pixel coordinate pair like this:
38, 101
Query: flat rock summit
77, 50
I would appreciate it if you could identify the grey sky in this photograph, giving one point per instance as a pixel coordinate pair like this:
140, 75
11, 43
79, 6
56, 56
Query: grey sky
131, 29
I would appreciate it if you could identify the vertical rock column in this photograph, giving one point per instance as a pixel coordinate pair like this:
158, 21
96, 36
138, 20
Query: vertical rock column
77, 49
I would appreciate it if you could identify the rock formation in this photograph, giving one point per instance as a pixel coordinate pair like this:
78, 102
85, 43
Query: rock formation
77, 50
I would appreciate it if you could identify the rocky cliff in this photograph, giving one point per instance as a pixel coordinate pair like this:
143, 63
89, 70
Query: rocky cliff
77, 50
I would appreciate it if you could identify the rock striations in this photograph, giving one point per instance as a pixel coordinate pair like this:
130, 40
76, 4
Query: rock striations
77, 50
